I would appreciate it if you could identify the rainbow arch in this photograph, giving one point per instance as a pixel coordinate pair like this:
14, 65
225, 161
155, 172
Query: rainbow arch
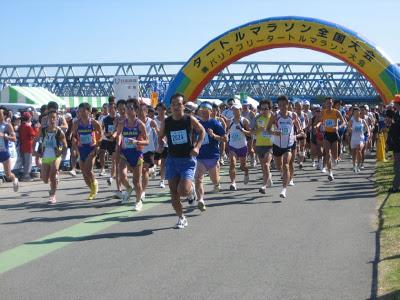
284, 32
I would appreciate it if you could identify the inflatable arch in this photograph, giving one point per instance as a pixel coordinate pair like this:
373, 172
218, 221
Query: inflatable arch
280, 32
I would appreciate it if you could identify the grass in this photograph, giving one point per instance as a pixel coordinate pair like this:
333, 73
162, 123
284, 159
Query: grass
388, 260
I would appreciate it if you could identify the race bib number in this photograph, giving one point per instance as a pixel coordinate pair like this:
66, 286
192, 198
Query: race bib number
260, 123
206, 140
2, 145
235, 136
129, 143
329, 123
285, 131
265, 134
110, 128
179, 137
86, 139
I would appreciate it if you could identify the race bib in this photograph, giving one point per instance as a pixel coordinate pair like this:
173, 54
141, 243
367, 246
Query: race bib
285, 131
358, 128
2, 145
110, 128
329, 123
179, 137
129, 143
50, 142
265, 134
260, 123
206, 140
235, 136
86, 139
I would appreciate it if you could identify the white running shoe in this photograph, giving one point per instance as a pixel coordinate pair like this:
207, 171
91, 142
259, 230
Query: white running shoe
201, 205
283, 193
314, 164
262, 190
323, 170
355, 170
270, 183
221, 162
16, 184
162, 184
143, 197
103, 173
109, 180
138, 206
72, 173
246, 179
182, 223
330, 176
233, 187
291, 183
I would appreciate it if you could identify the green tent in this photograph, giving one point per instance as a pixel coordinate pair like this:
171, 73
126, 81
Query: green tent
28, 95
93, 101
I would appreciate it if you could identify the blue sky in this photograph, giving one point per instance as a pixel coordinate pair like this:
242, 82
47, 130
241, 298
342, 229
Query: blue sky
83, 31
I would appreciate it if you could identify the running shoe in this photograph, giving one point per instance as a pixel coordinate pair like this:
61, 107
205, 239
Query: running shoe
201, 205
118, 195
182, 223
323, 170
217, 188
246, 179
152, 173
300, 166
95, 187
109, 180
291, 183
72, 173
52, 199
270, 183
330, 176
313, 164
221, 162
355, 170
16, 184
91, 195
233, 187
143, 196
283, 193
262, 190
162, 184
138, 206
102, 173
126, 195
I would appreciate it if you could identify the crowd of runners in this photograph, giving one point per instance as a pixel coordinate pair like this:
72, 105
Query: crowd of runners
186, 142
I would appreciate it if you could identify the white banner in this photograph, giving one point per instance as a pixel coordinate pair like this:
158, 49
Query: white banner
126, 87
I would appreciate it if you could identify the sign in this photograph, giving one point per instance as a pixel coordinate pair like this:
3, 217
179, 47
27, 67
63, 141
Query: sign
126, 87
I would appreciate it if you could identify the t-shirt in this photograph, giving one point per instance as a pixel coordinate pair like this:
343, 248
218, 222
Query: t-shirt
210, 147
26, 136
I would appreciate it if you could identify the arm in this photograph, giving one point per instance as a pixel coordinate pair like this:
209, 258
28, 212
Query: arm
98, 131
11, 134
117, 134
64, 124
340, 117
269, 126
161, 135
219, 134
199, 129
246, 128
62, 139
144, 136
153, 125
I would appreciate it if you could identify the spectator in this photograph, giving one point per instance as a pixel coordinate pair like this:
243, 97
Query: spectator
393, 142
27, 135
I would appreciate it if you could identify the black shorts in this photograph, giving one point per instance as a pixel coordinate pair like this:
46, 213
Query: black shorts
148, 159
331, 137
278, 151
108, 146
164, 154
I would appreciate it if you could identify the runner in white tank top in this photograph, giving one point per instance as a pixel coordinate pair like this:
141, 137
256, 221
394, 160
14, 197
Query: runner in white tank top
357, 128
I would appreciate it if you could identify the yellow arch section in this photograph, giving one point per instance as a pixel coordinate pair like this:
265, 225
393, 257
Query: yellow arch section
279, 32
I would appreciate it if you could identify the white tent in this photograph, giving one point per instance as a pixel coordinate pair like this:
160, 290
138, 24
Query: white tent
28, 95
248, 100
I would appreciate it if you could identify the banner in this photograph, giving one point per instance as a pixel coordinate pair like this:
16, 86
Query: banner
126, 87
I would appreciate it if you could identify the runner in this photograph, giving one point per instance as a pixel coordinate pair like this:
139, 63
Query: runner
182, 151
330, 118
148, 150
7, 135
53, 143
357, 127
264, 143
301, 140
160, 157
317, 139
238, 130
284, 138
108, 142
222, 144
207, 160
250, 116
131, 138
104, 142
120, 119
87, 133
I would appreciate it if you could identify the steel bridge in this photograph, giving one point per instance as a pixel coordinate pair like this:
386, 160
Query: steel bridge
311, 80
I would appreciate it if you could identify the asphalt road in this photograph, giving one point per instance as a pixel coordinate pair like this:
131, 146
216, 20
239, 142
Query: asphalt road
316, 244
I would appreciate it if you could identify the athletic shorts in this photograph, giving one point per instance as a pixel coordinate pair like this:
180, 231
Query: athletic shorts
241, 152
164, 154
355, 143
4, 156
331, 137
84, 152
181, 167
366, 136
148, 159
132, 156
261, 151
108, 146
49, 160
208, 163
278, 151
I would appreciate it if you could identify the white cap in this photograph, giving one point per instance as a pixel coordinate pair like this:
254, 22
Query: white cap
68, 115
237, 105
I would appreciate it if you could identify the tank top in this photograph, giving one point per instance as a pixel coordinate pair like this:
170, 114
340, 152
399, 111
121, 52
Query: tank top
179, 136
49, 145
237, 139
129, 133
357, 130
86, 134
151, 147
263, 138
4, 145
302, 119
158, 122
330, 120
286, 128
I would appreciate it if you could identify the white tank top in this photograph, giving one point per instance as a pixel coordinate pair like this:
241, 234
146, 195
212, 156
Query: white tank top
237, 139
357, 130
49, 143
3, 142
151, 147
286, 128
302, 119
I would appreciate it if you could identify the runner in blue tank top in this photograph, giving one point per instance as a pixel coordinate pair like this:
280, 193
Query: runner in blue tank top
131, 138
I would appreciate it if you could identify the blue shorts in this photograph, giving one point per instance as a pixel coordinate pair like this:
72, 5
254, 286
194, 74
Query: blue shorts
208, 163
182, 167
4, 156
84, 152
366, 136
133, 157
